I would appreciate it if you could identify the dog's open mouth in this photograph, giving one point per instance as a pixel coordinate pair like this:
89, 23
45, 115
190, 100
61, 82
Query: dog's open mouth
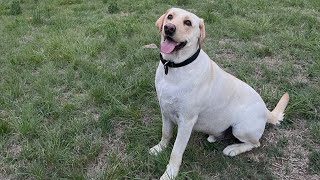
169, 45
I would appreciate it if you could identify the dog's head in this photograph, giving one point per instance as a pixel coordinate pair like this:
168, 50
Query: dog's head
180, 29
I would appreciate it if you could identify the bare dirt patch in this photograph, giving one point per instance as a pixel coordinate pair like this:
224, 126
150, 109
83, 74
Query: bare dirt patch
301, 75
13, 150
3, 173
300, 71
227, 48
294, 163
272, 61
112, 145
227, 41
226, 54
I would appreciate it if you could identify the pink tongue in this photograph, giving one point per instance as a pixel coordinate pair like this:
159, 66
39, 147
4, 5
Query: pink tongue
167, 46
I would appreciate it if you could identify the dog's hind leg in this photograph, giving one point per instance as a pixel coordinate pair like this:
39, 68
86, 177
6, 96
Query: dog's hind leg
249, 137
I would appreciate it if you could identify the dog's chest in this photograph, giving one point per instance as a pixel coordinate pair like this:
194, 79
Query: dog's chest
172, 97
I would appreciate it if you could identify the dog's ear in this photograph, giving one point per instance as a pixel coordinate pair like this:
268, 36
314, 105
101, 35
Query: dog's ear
159, 22
202, 32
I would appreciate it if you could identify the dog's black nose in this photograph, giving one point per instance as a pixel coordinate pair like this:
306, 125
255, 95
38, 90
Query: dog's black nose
169, 29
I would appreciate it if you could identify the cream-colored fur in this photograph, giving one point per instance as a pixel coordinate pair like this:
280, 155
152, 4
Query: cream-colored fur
202, 97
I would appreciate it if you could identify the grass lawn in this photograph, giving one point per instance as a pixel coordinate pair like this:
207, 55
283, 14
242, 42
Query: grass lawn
77, 96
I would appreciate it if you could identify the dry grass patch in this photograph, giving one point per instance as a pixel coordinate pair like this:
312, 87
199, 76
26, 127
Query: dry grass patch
293, 160
112, 145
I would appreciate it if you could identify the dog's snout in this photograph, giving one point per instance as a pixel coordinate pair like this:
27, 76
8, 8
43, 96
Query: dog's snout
169, 29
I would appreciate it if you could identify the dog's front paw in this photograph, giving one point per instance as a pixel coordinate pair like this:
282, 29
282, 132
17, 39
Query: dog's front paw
156, 149
165, 176
170, 173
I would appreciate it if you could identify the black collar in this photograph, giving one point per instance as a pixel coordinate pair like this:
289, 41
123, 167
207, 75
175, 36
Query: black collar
171, 64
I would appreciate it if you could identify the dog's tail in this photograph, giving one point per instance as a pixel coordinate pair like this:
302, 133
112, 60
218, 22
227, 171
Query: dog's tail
276, 116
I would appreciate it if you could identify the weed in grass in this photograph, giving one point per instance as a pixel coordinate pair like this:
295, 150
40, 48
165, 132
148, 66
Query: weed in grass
37, 16
209, 16
112, 31
283, 142
48, 12
122, 50
70, 2
230, 11
105, 122
28, 122
295, 3
182, 2
4, 127
315, 131
15, 8
113, 7
69, 110
99, 95
262, 52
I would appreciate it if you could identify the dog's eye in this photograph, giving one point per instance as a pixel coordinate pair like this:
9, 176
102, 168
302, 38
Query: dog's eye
187, 22
170, 17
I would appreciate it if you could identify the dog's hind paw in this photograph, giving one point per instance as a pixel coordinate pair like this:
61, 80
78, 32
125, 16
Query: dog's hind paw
155, 150
211, 139
235, 149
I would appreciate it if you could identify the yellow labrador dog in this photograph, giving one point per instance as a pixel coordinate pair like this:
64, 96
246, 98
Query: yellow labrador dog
196, 94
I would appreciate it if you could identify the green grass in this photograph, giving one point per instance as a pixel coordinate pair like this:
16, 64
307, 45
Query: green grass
77, 97
314, 162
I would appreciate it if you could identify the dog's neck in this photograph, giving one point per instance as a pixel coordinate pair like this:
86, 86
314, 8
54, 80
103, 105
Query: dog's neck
181, 55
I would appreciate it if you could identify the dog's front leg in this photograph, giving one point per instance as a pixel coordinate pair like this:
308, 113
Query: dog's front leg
184, 132
167, 129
